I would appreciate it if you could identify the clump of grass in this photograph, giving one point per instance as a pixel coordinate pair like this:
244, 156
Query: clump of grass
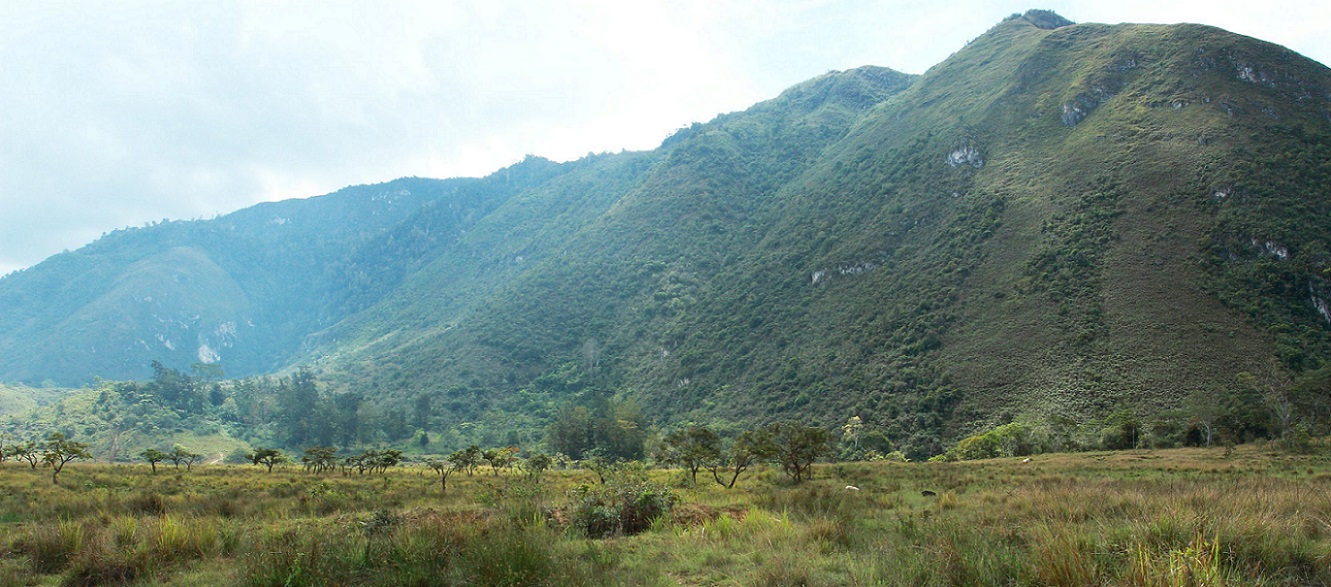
102, 563
947, 500
294, 558
814, 501
50, 548
173, 538
1196, 565
15, 573
1062, 557
781, 571
150, 503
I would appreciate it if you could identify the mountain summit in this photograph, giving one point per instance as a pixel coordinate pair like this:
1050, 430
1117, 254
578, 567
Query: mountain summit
1059, 220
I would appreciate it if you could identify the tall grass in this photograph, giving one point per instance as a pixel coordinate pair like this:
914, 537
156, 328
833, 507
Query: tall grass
1185, 517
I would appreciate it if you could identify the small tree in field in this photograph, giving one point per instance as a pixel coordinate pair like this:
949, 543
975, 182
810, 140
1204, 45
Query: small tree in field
498, 458
58, 450
796, 446
536, 464
25, 452
320, 459
692, 449
748, 448
471, 458
180, 454
267, 456
494, 458
153, 456
446, 467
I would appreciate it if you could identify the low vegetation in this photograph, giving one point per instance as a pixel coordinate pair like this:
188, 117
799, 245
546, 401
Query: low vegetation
1236, 516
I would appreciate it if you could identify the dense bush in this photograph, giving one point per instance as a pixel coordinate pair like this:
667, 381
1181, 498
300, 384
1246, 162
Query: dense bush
625, 505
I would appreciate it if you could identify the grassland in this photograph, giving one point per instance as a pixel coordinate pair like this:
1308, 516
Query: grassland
1172, 517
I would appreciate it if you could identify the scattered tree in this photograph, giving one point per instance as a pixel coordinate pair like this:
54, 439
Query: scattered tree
58, 450
319, 459
536, 464
470, 458
748, 448
795, 447
386, 458
153, 456
267, 456
445, 468
500, 458
25, 452
692, 449
375, 461
180, 454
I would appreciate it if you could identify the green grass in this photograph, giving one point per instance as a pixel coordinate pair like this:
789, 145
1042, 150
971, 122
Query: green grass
1148, 518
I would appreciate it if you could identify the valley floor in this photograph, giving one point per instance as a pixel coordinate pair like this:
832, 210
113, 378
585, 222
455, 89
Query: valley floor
1168, 517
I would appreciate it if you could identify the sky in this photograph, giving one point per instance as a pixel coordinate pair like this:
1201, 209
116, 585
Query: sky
117, 114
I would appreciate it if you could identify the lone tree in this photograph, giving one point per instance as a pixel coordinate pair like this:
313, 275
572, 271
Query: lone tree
153, 456
500, 458
748, 448
180, 454
267, 456
58, 450
796, 446
536, 464
692, 448
470, 458
446, 467
25, 452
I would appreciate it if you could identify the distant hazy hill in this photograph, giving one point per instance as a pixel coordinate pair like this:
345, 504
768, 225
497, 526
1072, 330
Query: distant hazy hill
244, 289
1058, 220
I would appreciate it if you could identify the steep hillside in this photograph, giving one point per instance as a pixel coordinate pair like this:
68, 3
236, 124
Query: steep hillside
605, 280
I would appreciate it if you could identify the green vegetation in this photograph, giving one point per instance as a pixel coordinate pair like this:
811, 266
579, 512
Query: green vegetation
58, 451
1174, 517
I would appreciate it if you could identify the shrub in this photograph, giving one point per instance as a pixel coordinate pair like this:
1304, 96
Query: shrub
619, 507
1009, 440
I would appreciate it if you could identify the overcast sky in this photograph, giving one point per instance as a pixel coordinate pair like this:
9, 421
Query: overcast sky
113, 114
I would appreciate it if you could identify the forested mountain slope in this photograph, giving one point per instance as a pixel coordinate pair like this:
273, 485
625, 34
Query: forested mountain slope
1060, 221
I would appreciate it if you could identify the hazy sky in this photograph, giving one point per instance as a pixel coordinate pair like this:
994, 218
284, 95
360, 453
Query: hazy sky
114, 114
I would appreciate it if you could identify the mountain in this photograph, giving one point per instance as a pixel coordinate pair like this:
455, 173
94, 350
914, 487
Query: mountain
1061, 220
245, 289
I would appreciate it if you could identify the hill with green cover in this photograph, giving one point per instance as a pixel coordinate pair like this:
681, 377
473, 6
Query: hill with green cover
1059, 221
